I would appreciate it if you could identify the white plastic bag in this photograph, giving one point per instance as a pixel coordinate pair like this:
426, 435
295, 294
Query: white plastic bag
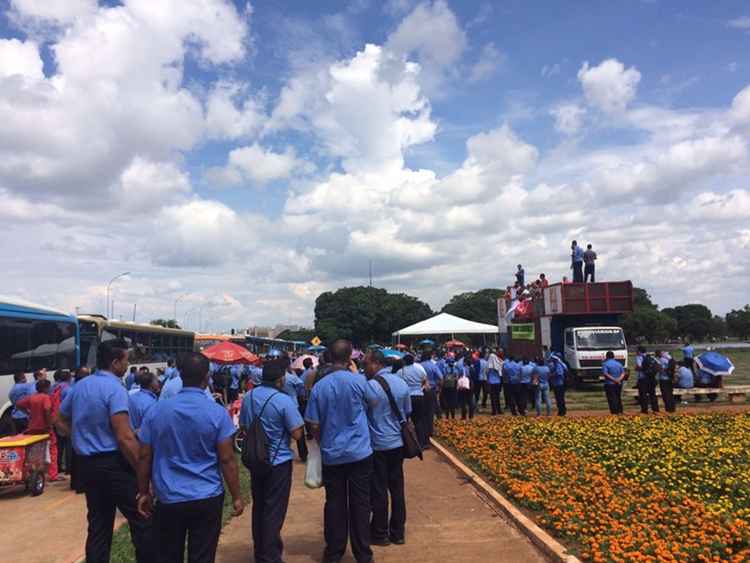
314, 466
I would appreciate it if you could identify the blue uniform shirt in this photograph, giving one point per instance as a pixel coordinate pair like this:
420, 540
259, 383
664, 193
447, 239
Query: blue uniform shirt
293, 387
235, 371
339, 403
543, 374
482, 366
18, 392
174, 386
413, 375
557, 372
685, 378
138, 406
663, 373
441, 366
280, 417
434, 376
577, 254
614, 369
527, 371
385, 428
90, 406
184, 434
512, 371
256, 375
688, 351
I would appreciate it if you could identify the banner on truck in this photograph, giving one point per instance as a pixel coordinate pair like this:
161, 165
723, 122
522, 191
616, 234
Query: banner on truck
524, 331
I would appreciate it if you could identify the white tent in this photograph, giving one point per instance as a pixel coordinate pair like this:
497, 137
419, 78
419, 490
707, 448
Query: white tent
446, 324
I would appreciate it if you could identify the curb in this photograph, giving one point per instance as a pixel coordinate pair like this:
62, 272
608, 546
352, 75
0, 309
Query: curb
551, 548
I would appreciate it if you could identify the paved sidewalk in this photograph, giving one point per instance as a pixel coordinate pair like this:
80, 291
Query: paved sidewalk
446, 518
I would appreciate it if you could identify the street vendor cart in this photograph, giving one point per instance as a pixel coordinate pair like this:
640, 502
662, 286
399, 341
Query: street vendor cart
23, 461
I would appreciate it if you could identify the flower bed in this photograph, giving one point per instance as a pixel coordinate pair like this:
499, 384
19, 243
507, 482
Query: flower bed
623, 489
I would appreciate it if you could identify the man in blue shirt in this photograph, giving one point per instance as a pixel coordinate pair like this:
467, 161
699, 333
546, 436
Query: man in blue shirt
527, 383
481, 387
95, 412
542, 377
416, 378
187, 447
666, 380
233, 390
687, 354
494, 369
171, 371
130, 379
337, 412
294, 387
431, 391
614, 374
557, 382
576, 262
141, 402
388, 459
685, 379
21, 388
271, 486
511, 370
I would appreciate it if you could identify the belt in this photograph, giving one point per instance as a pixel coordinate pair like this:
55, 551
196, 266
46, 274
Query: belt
101, 454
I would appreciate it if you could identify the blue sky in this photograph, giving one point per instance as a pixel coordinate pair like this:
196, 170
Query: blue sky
251, 155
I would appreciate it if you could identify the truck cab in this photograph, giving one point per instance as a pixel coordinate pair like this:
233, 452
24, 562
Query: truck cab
585, 349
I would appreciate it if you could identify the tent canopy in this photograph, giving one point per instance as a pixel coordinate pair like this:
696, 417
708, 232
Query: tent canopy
446, 324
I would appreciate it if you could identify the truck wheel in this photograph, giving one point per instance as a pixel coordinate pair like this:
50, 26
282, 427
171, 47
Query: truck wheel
36, 483
7, 428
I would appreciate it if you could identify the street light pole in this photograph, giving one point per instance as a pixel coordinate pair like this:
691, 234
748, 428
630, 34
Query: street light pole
117, 277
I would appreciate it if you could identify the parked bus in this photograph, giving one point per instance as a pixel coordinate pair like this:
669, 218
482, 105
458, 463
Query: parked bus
150, 345
261, 345
203, 341
32, 337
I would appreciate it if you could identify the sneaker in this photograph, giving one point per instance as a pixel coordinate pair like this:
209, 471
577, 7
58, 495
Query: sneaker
400, 541
382, 543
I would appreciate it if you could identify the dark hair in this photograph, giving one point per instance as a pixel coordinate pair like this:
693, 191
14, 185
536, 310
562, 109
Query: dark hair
575, 242
65, 375
426, 357
144, 379
397, 364
641, 349
286, 361
38, 374
274, 370
82, 372
307, 363
610, 355
377, 357
341, 351
193, 368
18, 376
170, 363
42, 385
133, 369
110, 351
58, 375
588, 246
408, 360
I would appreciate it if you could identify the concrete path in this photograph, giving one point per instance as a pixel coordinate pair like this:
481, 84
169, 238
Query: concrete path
446, 518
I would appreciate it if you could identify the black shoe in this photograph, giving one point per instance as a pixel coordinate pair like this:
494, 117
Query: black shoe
382, 543
400, 541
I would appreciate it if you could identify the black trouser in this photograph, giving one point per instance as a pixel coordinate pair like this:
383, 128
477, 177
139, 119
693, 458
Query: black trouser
647, 394
347, 509
388, 478
481, 387
518, 392
75, 472
667, 394
495, 389
110, 484
589, 271
418, 417
429, 405
614, 397
559, 391
466, 402
508, 393
198, 520
232, 395
438, 400
530, 390
270, 489
577, 272
64, 454
451, 402
302, 448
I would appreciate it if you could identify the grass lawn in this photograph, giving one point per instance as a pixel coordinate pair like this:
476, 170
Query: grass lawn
591, 397
122, 546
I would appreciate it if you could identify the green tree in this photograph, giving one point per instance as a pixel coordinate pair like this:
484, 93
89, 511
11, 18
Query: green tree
738, 322
641, 298
693, 320
365, 314
649, 324
479, 306
166, 323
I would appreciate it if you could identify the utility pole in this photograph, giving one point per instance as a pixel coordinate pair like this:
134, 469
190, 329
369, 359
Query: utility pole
135, 305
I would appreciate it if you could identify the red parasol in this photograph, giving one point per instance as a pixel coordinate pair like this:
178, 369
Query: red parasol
229, 353
454, 344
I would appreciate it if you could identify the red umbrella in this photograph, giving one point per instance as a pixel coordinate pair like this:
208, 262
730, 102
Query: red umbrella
454, 344
229, 353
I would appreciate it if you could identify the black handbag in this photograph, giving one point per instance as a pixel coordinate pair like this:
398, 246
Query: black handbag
412, 448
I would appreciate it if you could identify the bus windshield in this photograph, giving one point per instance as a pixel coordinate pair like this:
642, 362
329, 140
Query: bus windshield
600, 339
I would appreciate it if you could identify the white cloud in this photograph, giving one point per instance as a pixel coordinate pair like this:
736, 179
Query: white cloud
740, 112
609, 86
490, 60
143, 183
568, 118
742, 22
550, 70
230, 114
21, 59
62, 11
259, 166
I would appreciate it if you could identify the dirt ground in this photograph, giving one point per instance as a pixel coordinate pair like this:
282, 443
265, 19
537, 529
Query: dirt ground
50, 528
446, 518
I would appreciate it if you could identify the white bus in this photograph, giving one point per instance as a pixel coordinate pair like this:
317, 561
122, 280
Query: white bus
32, 337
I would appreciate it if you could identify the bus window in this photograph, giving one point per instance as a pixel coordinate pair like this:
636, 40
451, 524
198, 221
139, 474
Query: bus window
15, 345
44, 340
66, 347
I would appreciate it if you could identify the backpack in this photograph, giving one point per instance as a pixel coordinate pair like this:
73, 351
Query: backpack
650, 366
450, 379
255, 446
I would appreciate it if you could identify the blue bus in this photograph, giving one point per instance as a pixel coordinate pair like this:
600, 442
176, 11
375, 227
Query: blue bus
33, 337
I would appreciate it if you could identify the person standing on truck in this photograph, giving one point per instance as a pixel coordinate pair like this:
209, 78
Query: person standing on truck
646, 369
589, 257
576, 262
614, 374
520, 276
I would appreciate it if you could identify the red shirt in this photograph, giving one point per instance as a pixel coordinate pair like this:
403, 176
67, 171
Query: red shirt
37, 405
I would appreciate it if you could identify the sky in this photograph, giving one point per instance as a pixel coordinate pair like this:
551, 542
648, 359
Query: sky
239, 158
